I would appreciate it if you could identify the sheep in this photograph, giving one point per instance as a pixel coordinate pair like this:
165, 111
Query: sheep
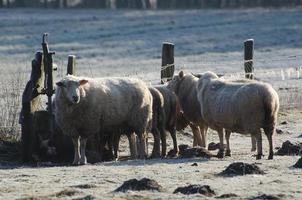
242, 107
86, 106
184, 86
171, 110
158, 122
165, 106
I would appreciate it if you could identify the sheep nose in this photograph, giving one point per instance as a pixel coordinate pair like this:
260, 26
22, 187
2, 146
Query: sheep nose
75, 98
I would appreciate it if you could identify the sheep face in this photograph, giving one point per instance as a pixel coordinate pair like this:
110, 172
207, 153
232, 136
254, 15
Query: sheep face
173, 85
72, 90
205, 78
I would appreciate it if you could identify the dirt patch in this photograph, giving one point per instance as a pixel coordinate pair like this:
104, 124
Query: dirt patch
88, 197
84, 186
290, 149
280, 131
213, 146
267, 197
138, 185
240, 168
298, 163
66, 193
186, 152
196, 189
225, 196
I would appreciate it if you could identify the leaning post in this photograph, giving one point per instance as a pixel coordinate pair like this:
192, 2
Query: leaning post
248, 58
71, 64
48, 82
167, 66
30, 103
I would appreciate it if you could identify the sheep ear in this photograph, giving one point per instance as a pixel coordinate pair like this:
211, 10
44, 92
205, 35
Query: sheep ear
181, 74
60, 84
83, 82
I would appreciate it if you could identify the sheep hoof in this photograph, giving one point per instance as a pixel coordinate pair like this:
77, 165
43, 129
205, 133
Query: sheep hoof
83, 161
75, 163
258, 156
220, 154
228, 153
270, 157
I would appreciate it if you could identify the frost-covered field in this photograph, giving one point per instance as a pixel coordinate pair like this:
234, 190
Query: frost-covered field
128, 43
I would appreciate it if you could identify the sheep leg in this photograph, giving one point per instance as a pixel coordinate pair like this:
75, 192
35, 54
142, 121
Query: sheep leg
221, 145
83, 159
156, 146
76, 146
227, 138
253, 140
269, 136
173, 135
141, 145
259, 145
132, 145
203, 132
196, 135
163, 144
116, 142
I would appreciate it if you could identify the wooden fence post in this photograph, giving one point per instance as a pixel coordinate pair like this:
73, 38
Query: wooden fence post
30, 102
167, 65
248, 58
71, 64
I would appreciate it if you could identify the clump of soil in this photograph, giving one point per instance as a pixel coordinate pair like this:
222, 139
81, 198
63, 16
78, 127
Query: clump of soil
186, 152
266, 197
66, 193
289, 149
225, 196
88, 197
298, 163
84, 186
213, 146
138, 185
240, 168
195, 189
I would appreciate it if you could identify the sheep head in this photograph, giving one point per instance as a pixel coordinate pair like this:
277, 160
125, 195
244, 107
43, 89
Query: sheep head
173, 84
72, 89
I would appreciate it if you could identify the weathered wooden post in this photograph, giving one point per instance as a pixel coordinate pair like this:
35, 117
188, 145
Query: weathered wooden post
30, 102
48, 82
248, 58
167, 65
71, 64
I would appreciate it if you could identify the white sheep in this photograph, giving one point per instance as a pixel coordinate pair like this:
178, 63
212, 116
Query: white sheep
238, 106
86, 106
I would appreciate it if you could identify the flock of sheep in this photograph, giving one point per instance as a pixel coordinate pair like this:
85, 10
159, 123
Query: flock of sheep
114, 106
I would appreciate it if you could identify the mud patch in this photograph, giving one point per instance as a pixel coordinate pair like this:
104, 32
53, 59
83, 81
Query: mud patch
298, 163
195, 189
66, 193
88, 197
240, 169
84, 186
225, 196
138, 185
186, 152
290, 149
267, 197
280, 131
213, 146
